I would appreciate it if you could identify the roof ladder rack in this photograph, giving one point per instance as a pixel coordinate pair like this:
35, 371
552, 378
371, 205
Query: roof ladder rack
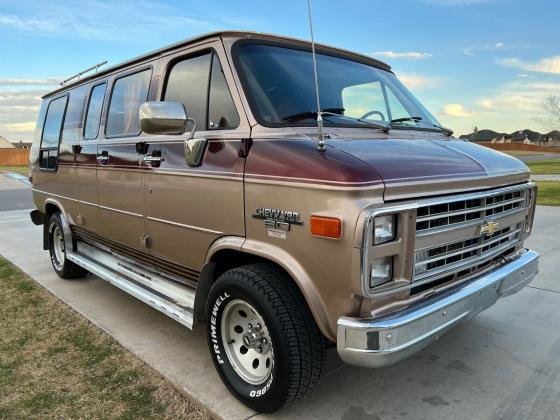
78, 75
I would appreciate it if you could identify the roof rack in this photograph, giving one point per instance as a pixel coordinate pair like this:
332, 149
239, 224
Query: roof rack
78, 75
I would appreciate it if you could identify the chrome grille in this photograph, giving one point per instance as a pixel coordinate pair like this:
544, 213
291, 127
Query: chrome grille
466, 255
472, 210
457, 256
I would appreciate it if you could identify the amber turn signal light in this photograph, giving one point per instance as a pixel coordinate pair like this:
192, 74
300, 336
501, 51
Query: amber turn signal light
329, 227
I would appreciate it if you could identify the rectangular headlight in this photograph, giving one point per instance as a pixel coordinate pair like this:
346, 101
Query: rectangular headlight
381, 271
384, 229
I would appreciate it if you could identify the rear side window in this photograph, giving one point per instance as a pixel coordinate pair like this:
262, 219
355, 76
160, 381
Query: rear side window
129, 93
199, 83
93, 113
52, 130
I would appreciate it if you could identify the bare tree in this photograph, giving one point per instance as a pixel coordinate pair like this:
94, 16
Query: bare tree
551, 106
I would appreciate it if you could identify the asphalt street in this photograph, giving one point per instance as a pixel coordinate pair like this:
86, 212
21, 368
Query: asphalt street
503, 364
539, 156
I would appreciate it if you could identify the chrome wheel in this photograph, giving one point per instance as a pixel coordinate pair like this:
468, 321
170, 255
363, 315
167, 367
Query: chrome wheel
58, 246
247, 342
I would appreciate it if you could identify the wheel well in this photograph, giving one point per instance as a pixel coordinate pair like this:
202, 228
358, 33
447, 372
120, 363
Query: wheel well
50, 209
221, 262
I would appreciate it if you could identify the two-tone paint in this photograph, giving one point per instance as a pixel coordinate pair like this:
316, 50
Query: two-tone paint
179, 219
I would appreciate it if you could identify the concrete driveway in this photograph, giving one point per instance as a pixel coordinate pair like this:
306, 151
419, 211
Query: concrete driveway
504, 364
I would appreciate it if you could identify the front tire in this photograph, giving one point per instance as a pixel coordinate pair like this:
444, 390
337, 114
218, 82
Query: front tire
57, 250
263, 340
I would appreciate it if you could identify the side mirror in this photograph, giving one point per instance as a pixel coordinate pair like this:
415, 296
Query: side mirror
164, 118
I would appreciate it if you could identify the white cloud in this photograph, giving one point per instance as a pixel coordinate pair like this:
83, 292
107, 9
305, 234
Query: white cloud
455, 110
107, 21
514, 106
545, 65
21, 98
18, 112
49, 81
23, 23
526, 96
19, 128
493, 46
418, 81
405, 55
120, 20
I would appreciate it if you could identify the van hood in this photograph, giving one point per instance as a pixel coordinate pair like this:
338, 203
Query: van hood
419, 167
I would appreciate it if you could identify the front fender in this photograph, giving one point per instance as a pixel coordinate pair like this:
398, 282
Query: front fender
289, 264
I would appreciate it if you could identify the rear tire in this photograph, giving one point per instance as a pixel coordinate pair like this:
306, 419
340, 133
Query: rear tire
263, 339
57, 250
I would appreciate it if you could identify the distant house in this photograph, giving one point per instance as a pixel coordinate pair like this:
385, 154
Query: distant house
23, 145
551, 139
526, 136
5, 144
501, 140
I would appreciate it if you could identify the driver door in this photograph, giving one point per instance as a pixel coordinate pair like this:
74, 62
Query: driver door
189, 207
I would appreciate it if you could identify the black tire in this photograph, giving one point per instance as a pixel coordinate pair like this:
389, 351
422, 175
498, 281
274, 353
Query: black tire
63, 267
297, 345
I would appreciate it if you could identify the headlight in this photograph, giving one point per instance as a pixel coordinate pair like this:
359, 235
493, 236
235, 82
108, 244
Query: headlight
384, 229
381, 271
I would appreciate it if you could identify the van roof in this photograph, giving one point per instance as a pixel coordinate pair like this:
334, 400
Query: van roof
230, 33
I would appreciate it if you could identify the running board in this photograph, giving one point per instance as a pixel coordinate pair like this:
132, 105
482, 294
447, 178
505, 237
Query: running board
167, 297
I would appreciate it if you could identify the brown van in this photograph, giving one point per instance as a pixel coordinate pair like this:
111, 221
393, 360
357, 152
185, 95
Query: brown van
194, 178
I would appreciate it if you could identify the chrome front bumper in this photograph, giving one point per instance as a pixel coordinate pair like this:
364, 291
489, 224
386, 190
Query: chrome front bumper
386, 340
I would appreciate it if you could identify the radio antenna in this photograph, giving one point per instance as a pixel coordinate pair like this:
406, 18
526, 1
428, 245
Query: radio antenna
321, 136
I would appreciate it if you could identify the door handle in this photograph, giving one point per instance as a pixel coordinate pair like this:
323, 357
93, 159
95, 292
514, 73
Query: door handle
103, 157
152, 159
76, 149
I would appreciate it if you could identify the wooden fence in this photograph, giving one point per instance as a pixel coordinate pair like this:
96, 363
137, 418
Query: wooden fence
14, 157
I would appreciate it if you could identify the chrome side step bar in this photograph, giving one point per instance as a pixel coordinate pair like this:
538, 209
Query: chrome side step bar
167, 297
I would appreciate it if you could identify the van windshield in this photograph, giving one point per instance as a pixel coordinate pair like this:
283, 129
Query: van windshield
281, 90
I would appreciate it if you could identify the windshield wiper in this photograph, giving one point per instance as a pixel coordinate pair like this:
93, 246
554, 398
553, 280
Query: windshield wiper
313, 114
329, 112
397, 120
447, 131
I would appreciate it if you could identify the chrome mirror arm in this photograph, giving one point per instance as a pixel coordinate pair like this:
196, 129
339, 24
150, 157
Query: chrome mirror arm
193, 129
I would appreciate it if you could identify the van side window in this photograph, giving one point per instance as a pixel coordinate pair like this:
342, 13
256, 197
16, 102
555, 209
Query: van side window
72, 126
52, 130
199, 83
129, 92
188, 83
93, 113
221, 109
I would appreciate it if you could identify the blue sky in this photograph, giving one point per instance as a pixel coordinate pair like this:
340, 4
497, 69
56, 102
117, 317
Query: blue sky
484, 63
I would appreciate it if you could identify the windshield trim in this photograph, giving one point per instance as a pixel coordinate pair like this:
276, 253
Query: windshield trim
320, 49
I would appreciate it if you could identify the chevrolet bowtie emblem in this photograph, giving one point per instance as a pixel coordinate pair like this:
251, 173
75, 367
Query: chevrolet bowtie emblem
489, 228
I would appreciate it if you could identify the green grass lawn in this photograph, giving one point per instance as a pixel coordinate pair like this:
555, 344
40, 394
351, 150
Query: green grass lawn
24, 170
548, 193
545, 166
56, 364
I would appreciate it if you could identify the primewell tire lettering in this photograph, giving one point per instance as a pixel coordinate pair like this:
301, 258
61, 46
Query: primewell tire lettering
263, 390
213, 329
